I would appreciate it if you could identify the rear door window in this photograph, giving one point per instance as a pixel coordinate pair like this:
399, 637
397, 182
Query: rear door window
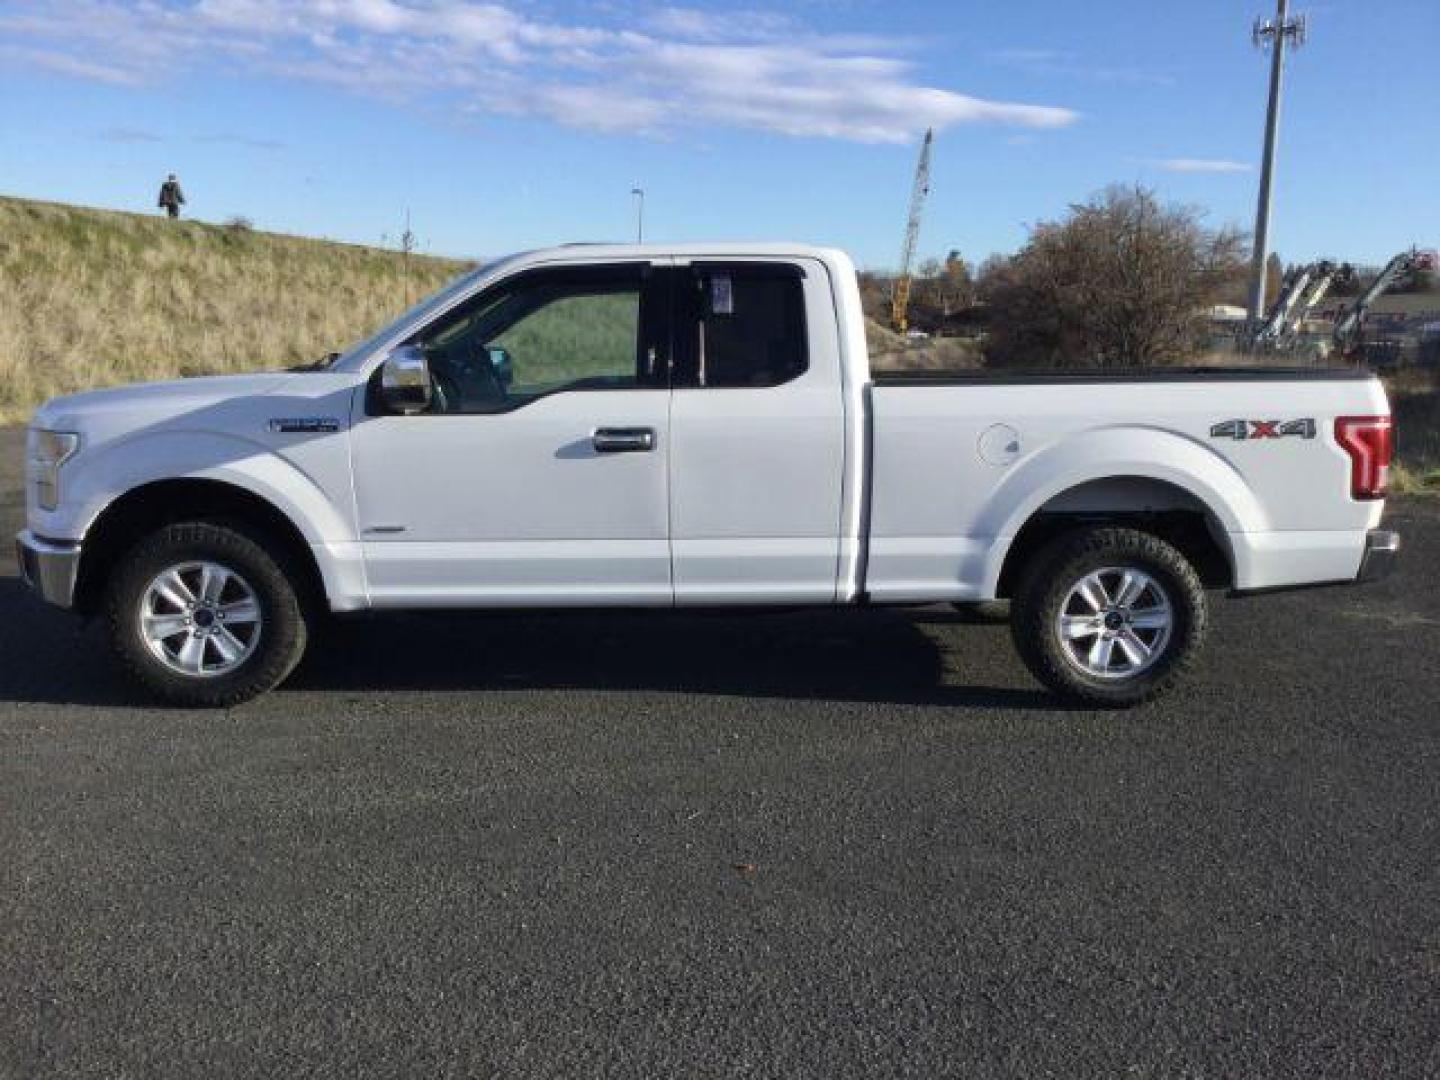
740, 325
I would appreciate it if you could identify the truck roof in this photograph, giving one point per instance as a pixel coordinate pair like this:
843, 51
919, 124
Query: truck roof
695, 247
726, 249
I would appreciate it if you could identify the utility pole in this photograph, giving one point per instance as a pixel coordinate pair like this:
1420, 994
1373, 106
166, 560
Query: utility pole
639, 193
1277, 34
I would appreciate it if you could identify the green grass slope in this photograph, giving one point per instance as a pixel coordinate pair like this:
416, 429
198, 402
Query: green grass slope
95, 297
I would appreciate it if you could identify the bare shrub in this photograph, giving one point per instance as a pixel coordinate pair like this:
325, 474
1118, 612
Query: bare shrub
1122, 281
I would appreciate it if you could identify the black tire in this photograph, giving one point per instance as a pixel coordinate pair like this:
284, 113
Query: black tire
1046, 584
281, 632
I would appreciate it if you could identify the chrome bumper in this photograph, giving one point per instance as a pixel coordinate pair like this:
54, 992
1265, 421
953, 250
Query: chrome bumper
50, 567
1381, 549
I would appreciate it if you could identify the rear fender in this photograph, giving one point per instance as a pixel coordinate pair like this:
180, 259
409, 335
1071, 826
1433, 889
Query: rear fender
1107, 453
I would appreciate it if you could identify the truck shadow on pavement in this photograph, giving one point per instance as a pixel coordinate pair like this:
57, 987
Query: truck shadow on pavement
869, 656
47, 656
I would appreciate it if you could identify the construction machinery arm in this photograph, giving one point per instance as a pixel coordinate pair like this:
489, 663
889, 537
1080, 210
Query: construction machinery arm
900, 298
1304, 287
1348, 326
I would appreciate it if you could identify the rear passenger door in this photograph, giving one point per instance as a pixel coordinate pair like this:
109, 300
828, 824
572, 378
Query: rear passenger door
757, 434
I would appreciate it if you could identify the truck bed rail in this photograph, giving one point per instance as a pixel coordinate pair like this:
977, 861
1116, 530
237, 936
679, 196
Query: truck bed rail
992, 377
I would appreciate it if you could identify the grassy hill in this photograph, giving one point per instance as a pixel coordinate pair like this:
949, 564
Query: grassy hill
95, 297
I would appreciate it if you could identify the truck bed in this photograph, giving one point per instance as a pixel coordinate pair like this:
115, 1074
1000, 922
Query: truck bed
962, 459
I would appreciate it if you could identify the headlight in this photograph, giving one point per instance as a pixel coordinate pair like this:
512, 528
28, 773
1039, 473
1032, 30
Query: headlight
49, 450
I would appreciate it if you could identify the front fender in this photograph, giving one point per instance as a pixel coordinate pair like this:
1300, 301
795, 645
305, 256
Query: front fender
305, 478
1106, 453
302, 484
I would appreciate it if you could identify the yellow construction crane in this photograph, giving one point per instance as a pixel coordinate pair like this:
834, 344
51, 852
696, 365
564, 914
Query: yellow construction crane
900, 297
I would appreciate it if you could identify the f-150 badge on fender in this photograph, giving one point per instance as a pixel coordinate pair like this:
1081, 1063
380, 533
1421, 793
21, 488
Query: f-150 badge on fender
1263, 429
305, 425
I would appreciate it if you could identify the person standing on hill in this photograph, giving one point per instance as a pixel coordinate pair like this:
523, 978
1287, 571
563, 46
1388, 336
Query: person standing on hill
171, 197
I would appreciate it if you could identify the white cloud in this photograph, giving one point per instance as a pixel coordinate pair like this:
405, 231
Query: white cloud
677, 68
1201, 165
128, 135
60, 62
695, 25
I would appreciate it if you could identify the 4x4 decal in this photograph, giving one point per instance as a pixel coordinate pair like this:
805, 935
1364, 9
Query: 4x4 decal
1263, 429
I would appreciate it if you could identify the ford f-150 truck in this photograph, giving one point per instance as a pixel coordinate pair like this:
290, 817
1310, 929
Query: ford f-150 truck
691, 425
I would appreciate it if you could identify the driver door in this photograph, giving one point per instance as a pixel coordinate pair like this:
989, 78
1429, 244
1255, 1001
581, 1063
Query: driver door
539, 474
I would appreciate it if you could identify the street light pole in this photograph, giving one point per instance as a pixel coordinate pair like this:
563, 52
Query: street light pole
639, 193
1278, 34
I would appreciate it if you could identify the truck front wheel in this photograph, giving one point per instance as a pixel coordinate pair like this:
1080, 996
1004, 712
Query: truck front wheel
1109, 616
201, 615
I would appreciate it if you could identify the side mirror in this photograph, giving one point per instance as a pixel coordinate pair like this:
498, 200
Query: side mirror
405, 385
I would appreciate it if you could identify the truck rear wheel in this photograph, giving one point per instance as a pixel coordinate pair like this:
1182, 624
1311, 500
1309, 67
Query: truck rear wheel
1109, 616
201, 615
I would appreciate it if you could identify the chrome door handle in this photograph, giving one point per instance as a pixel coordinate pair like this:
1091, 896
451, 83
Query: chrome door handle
624, 440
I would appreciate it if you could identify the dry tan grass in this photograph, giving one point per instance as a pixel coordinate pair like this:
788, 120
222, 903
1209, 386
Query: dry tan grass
1415, 400
93, 298
892, 352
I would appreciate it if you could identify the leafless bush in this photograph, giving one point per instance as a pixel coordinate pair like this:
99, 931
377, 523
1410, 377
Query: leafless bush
1123, 281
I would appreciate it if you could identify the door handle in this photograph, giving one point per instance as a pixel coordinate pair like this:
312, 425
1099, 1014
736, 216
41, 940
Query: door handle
624, 440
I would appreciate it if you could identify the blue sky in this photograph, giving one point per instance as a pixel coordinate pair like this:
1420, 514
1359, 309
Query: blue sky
516, 124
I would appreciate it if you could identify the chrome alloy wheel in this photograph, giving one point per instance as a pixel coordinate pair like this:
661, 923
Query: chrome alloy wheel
1115, 622
200, 619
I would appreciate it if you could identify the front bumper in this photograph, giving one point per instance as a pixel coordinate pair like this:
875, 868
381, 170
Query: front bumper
1382, 547
50, 567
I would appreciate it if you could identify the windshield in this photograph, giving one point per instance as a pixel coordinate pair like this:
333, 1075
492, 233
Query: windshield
418, 313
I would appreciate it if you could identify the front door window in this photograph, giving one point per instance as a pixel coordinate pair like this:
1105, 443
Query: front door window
548, 333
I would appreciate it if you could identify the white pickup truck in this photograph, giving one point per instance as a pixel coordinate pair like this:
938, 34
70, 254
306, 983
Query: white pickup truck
691, 425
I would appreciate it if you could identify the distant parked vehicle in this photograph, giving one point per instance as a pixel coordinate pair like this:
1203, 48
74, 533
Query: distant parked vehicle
691, 426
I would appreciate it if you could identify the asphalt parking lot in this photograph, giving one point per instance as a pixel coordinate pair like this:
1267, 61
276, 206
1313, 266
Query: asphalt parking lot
850, 844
